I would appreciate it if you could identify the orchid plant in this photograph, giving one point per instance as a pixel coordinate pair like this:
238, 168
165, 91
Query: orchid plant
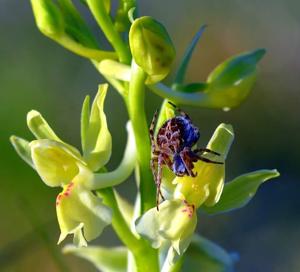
159, 238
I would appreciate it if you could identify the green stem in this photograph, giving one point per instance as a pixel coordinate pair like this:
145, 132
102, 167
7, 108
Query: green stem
84, 51
145, 257
136, 97
104, 21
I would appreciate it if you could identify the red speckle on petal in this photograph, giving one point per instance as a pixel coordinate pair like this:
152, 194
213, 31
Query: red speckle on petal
65, 193
189, 209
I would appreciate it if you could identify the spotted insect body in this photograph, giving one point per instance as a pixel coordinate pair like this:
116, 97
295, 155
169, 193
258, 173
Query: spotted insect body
172, 147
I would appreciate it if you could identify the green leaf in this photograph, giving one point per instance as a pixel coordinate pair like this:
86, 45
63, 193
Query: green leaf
187, 56
240, 191
84, 121
105, 259
22, 148
206, 256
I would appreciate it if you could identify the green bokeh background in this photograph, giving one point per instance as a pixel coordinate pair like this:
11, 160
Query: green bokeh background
36, 73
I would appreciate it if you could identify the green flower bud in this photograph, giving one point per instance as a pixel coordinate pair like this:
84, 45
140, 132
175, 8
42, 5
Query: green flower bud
230, 82
207, 186
56, 164
151, 47
48, 17
80, 212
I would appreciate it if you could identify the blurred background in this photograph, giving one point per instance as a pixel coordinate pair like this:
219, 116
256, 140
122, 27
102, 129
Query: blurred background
36, 73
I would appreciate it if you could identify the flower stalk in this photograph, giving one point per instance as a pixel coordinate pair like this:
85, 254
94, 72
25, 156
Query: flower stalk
137, 115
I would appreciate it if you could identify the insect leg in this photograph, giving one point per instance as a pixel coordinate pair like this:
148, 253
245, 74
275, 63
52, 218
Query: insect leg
151, 130
187, 162
160, 162
179, 110
153, 163
208, 160
168, 161
202, 150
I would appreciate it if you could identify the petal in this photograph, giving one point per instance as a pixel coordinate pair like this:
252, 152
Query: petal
80, 210
41, 129
177, 221
97, 144
123, 171
208, 184
54, 161
148, 225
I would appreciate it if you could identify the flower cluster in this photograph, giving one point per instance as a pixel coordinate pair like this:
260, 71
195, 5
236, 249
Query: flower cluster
79, 211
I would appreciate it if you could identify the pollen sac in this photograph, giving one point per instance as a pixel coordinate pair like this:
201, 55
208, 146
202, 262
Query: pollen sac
48, 17
151, 48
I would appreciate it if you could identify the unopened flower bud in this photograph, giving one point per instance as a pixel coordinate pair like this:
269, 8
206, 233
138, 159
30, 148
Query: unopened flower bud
151, 47
230, 82
48, 17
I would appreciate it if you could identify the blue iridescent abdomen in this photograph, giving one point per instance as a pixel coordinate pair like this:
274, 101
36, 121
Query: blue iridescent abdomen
189, 133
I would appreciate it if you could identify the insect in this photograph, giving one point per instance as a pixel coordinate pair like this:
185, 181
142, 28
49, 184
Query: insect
172, 147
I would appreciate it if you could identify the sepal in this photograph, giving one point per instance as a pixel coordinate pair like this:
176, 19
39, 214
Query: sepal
22, 147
